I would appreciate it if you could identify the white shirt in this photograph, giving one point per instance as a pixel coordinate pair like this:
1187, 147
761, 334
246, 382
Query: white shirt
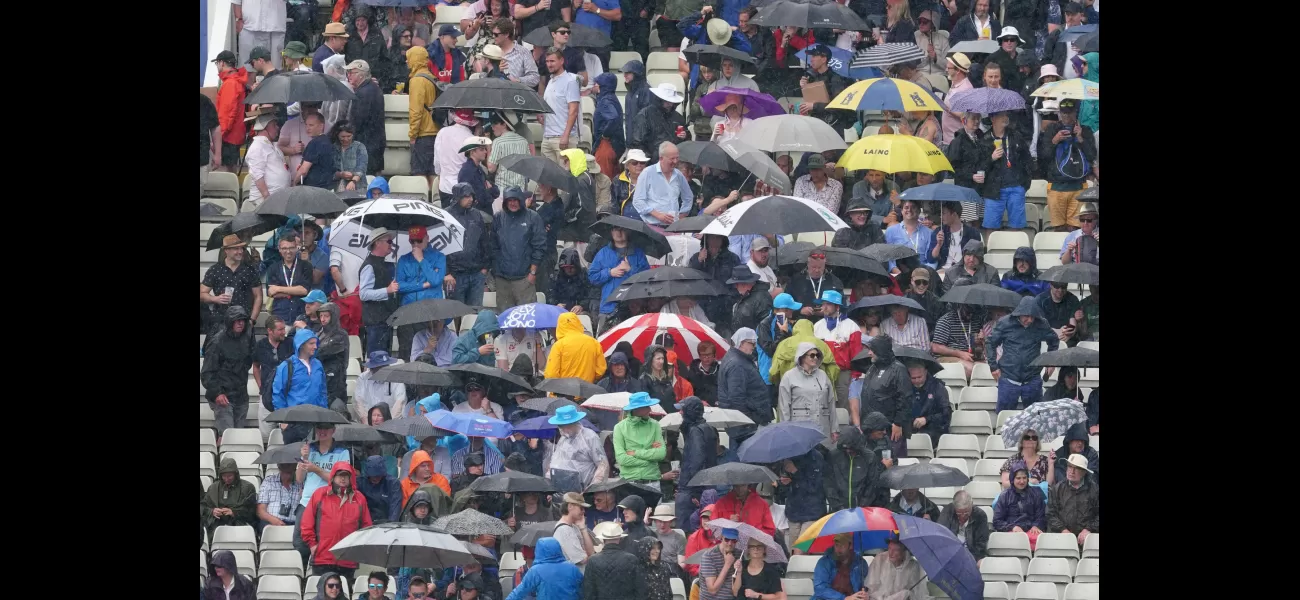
980, 26
594, 69
561, 90
488, 409
764, 273
266, 162
263, 15
370, 392
507, 348
447, 157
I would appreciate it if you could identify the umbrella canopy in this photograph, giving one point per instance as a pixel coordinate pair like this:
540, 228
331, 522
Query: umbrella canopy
687, 225
893, 153
1073, 273
510, 482
533, 315
757, 163
531, 532
287, 87
353, 236
540, 169
775, 214
943, 557
415, 373
839, 62
1089, 42
280, 455
361, 434
541, 427
1050, 419
809, 14
910, 354
306, 413
707, 154
651, 242
470, 522
923, 475
245, 225
208, 209
616, 402
779, 441
469, 424
745, 533
698, 557
394, 214
491, 93
758, 104
941, 192
791, 133
302, 200
1092, 194
640, 331
512, 383
351, 197
981, 294
1069, 357
428, 310
719, 418
417, 427
547, 405
402, 545
1074, 89
580, 36
667, 282
481, 554
887, 55
711, 55
887, 252
623, 488
871, 526
570, 386
882, 301
885, 93
733, 473
986, 101
974, 47
846, 258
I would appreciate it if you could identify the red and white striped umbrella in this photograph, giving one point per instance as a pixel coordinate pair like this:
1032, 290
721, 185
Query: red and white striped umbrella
640, 331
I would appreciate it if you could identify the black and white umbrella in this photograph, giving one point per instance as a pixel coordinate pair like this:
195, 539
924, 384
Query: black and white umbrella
415, 373
809, 14
733, 473
580, 36
351, 231
306, 413
434, 309
402, 545
758, 163
1092, 194
246, 225
653, 243
302, 200
472, 523
887, 55
288, 87
492, 94
774, 214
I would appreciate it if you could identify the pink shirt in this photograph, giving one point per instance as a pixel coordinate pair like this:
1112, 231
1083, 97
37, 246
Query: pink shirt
950, 122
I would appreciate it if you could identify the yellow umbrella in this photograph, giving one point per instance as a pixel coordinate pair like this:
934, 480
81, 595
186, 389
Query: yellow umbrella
1073, 89
885, 93
894, 153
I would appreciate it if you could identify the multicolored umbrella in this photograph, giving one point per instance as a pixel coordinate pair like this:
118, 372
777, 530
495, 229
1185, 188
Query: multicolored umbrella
986, 101
758, 103
893, 153
749, 532
885, 93
1050, 419
871, 526
1074, 89
641, 330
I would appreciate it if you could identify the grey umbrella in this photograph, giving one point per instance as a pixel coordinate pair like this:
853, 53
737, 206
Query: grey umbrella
472, 522
531, 532
687, 225
791, 133
757, 163
923, 475
509, 482
570, 386
981, 294
547, 405
733, 473
246, 225
417, 427
415, 373
302, 200
433, 309
402, 545
888, 252
279, 455
288, 87
1073, 273
306, 413
1069, 357
1092, 194
360, 434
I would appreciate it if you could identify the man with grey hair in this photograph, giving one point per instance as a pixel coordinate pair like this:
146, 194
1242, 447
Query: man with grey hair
741, 387
368, 114
663, 194
969, 524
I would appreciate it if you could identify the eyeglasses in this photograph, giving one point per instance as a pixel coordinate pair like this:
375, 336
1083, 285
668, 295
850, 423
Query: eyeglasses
818, 256
1081, 220
1030, 438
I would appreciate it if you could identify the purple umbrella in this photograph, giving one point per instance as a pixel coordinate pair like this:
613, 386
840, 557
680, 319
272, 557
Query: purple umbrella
987, 101
759, 104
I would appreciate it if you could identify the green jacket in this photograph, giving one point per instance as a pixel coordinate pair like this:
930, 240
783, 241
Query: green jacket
637, 434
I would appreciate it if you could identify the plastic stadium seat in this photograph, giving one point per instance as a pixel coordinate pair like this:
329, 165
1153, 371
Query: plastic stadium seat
242, 440
1088, 571
1049, 241
842, 415
363, 582
1034, 216
978, 399
281, 562
279, 587
1095, 442
920, 446
1052, 445
677, 587
395, 136
662, 61
1002, 261
507, 582
984, 492
409, 184
276, 438
797, 589
674, 78
490, 300
207, 464
309, 588
511, 561
1092, 546
205, 481
1005, 416
354, 368
1010, 543
958, 446
957, 463
234, 537
940, 495
1090, 377
397, 106
1091, 345
996, 590
397, 161
246, 562
1037, 189
1054, 570
256, 481
205, 232
1083, 591
452, 16
1007, 241
988, 511
994, 449
981, 376
207, 440
221, 184
354, 346
903, 462
619, 58
1039, 590
587, 325
277, 537
203, 563
953, 374
988, 469
803, 564
245, 462
1002, 568
1057, 545
975, 422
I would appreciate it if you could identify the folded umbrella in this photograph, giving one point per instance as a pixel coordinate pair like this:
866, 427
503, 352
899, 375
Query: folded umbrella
208, 209
943, 557
531, 532
791, 133
1073, 273
711, 55
540, 169
888, 252
1069, 357
306, 413
570, 386
986, 101
287, 87
745, 533
469, 424
923, 475
1051, 419
687, 225
302, 200
623, 488
470, 522
534, 315
653, 243
767, 215
758, 104
510, 482
757, 163
580, 36
402, 545
780, 441
492, 94
719, 418
281, 455
422, 312
887, 55
415, 373
981, 294
941, 192
871, 526
707, 154
245, 225
417, 426
809, 14
511, 382
734, 473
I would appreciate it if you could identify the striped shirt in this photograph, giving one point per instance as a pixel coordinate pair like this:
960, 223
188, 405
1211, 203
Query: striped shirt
710, 565
914, 334
508, 145
491, 460
954, 332
274, 495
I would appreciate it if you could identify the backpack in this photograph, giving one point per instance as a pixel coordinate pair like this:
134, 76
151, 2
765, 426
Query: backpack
267, 400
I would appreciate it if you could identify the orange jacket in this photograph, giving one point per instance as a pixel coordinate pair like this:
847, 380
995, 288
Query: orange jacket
409, 486
230, 105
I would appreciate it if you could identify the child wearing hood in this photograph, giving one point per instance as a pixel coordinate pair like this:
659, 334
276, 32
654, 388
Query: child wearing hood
655, 573
633, 508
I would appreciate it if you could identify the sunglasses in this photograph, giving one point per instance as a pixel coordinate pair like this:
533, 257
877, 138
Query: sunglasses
818, 256
405, 35
1087, 220
921, 282
814, 354
498, 33
563, 32
417, 595
1059, 286
1030, 438
331, 586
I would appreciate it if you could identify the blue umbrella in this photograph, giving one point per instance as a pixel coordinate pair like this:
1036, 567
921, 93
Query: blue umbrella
539, 427
469, 424
533, 315
780, 441
943, 557
941, 192
839, 62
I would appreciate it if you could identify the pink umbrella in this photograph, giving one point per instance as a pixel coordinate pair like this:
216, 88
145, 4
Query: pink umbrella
758, 103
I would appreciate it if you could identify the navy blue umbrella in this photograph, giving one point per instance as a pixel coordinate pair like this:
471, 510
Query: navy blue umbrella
943, 557
780, 441
839, 62
940, 192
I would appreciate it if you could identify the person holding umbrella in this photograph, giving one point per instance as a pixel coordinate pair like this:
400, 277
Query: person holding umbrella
898, 576
616, 262
840, 574
819, 71
802, 490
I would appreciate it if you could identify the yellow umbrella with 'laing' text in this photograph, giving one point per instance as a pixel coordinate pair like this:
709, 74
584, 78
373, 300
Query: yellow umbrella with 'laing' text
895, 153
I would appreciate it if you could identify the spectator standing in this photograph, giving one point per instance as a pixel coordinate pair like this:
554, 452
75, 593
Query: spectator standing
801, 488
571, 532
289, 282
612, 573
469, 267
819, 71
1073, 506
611, 266
550, 577
957, 66
332, 351
886, 388
268, 353
532, 14
578, 450
1066, 151
1007, 173
421, 275
474, 171
230, 108
699, 452
224, 375
560, 129
209, 139
319, 163
448, 154
1009, 42
931, 410
334, 511
664, 194
368, 113
979, 24
266, 163
229, 500
300, 380
638, 96
740, 387
574, 353
505, 143
607, 124
382, 491
1019, 336
968, 162
367, 44
639, 442
807, 394
424, 128
335, 38
853, 470
446, 59
378, 291
518, 243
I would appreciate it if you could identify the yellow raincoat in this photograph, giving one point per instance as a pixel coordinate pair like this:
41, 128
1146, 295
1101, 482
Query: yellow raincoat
574, 354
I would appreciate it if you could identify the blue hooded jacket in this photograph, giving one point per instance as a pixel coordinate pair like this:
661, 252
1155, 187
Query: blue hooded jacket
608, 120
379, 183
1026, 284
1020, 344
638, 95
551, 577
384, 498
606, 259
466, 349
308, 385
411, 275
824, 574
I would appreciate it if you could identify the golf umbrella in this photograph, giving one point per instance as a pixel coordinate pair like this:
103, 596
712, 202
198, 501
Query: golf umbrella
415, 373
719, 418
531, 532
470, 522
580, 36
1072, 89
1092, 194
651, 242
435, 309
791, 133
1051, 419
887, 55
287, 87
616, 402
757, 163
640, 331
780, 441
547, 405
687, 225
570, 386
1073, 273
707, 154
943, 557
923, 475
986, 101
279, 455
745, 533
667, 282
540, 169
394, 214
887, 252
1069, 357
885, 93
711, 55
302, 200
941, 192
974, 47
871, 526
245, 225
306, 413
533, 315
908, 353
417, 427
469, 424
775, 214
758, 104
839, 62
402, 545
623, 488
512, 383
809, 14
491, 94
981, 294
894, 153
510, 482
733, 473
360, 434
353, 237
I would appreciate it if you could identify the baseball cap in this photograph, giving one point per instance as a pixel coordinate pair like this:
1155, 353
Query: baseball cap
227, 57
448, 30
816, 161
471, 582
315, 296
259, 52
920, 273
461, 190
417, 232
761, 242
357, 65
819, 49
575, 498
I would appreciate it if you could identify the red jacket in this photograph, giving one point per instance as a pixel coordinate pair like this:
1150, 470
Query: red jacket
754, 511
699, 541
230, 105
338, 518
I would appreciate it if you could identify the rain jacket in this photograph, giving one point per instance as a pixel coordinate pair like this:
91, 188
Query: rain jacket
1061, 390
320, 585
931, 401
1089, 110
825, 571
423, 93
308, 386
997, 175
653, 126
566, 290
1075, 510
749, 310
378, 183
598, 273
228, 359
1023, 509
611, 574
704, 383
1094, 407
579, 207
753, 511
476, 240
700, 440
928, 507
608, 120
438, 500
627, 384
574, 353
1052, 156
655, 576
805, 497
518, 242
1078, 431
856, 237
638, 97
984, 273
240, 497
635, 529
886, 386
409, 486
214, 589
330, 517
977, 529
853, 469
411, 275
637, 434
769, 337
384, 499
551, 577
741, 388
332, 351
783, 359
466, 350
1057, 314
621, 197
963, 153
1020, 345
660, 389
1026, 284
230, 105
808, 397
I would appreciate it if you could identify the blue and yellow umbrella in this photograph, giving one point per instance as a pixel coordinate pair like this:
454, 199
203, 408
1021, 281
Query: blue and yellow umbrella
885, 93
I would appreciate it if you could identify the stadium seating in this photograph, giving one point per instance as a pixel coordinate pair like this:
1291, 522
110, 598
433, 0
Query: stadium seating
971, 421
1037, 591
1083, 591
797, 589
619, 58
993, 448
277, 537
987, 469
1005, 416
1092, 546
940, 495
1057, 545
1009, 544
242, 440
920, 445
234, 537
978, 398
996, 590
1002, 568
957, 463
279, 587
207, 440
984, 492
802, 565
958, 446
953, 374
281, 562
981, 376
1053, 570
1088, 571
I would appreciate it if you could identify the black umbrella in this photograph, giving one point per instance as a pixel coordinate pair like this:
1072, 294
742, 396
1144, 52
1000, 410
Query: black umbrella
687, 225
531, 532
708, 154
653, 243
417, 427
883, 300
711, 56
809, 14
580, 36
288, 87
547, 405
1092, 194
570, 386
981, 294
246, 225
208, 209
541, 170
350, 197
733, 473
887, 252
1069, 357
1073, 273
422, 312
1089, 42
492, 94
415, 373
842, 258
361, 434
923, 475
306, 413
623, 488
302, 200
910, 354
510, 482
511, 382
281, 455
667, 282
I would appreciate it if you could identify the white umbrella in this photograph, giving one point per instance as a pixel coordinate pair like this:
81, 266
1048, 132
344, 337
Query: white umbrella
615, 402
774, 214
791, 133
351, 231
720, 418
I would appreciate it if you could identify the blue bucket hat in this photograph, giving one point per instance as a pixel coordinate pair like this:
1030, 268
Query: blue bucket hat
567, 415
833, 297
640, 400
315, 296
785, 301
379, 358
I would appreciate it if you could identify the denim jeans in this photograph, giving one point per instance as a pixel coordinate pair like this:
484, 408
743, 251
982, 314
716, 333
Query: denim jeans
469, 288
1012, 199
378, 337
1010, 394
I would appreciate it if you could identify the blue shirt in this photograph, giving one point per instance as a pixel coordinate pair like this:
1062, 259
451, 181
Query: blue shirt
326, 462
320, 261
594, 21
653, 192
922, 240
320, 153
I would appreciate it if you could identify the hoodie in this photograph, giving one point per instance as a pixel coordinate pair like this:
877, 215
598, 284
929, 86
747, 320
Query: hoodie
826, 570
330, 517
240, 497
638, 95
852, 468
574, 353
984, 273
657, 576
378, 183
422, 94
805, 497
484, 330
1027, 283
1078, 431
784, 358
886, 387
332, 351
306, 385
230, 105
856, 237
627, 384
741, 388
409, 485
808, 397
659, 388
1089, 110
636, 529
579, 206
320, 586
214, 589
608, 120
384, 499
636, 435
569, 290
719, 308
1019, 344
551, 577
228, 359
518, 242
699, 443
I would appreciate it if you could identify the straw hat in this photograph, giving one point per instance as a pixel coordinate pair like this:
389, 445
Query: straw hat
732, 99
232, 241
336, 29
1078, 460
493, 52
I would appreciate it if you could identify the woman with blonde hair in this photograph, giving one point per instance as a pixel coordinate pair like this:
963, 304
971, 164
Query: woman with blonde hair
899, 23
1041, 468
